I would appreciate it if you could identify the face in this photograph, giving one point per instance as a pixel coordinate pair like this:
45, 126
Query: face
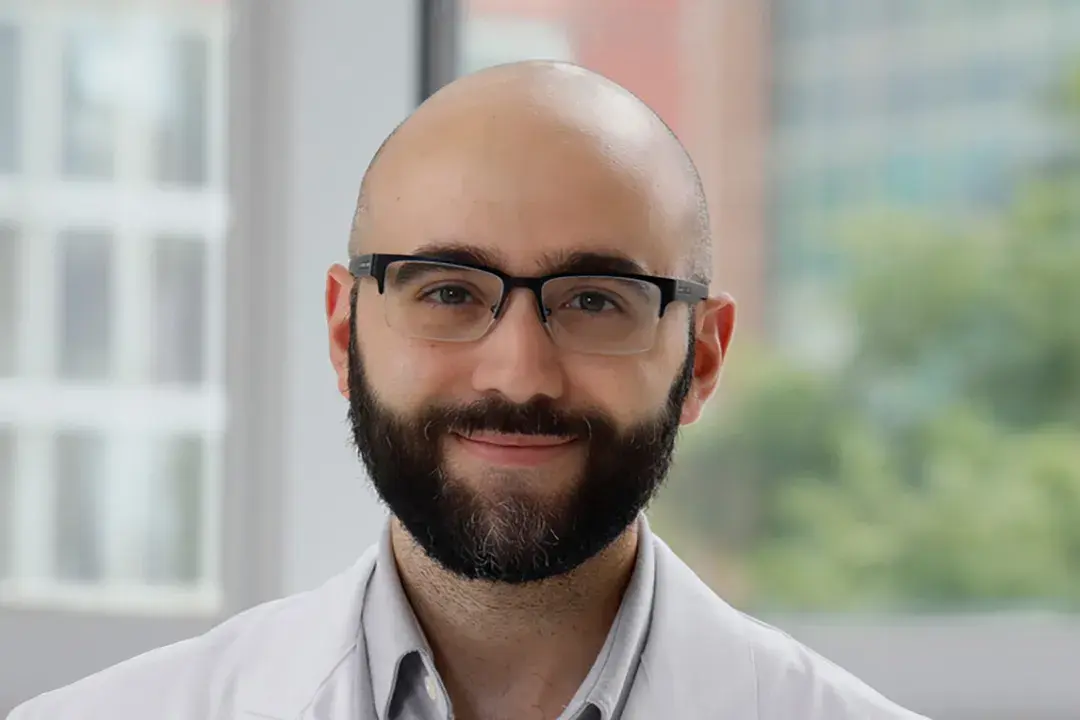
508, 458
495, 520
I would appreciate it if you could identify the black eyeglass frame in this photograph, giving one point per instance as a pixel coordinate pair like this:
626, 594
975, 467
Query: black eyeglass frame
671, 289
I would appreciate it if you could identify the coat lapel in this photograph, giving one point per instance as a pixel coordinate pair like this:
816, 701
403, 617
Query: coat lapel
697, 661
308, 661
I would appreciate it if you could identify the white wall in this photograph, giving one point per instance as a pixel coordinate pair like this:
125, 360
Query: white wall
355, 69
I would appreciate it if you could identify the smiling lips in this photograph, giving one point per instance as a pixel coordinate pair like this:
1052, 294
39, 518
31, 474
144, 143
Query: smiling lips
517, 450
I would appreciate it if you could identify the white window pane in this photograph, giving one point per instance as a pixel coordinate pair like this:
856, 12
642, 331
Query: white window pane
174, 542
182, 137
180, 327
86, 269
116, 170
9, 98
9, 298
93, 72
7, 498
80, 475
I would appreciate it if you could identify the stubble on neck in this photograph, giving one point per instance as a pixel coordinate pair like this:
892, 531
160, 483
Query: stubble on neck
534, 641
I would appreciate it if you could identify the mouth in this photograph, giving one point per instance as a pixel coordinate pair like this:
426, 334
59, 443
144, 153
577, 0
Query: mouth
516, 450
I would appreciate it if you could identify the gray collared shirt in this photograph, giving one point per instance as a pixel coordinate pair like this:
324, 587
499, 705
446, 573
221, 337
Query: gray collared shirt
407, 686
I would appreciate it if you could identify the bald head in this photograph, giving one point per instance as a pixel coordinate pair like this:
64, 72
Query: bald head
491, 139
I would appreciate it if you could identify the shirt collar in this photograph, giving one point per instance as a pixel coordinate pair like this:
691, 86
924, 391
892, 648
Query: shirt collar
392, 632
391, 629
608, 683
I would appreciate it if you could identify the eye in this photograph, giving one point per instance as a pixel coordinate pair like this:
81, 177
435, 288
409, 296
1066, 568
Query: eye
447, 295
592, 302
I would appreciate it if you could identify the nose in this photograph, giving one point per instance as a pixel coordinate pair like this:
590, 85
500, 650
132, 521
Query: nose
517, 358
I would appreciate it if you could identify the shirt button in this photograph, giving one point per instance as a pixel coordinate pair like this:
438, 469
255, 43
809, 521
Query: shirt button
432, 688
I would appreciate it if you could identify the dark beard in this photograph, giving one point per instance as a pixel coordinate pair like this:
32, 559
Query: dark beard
517, 537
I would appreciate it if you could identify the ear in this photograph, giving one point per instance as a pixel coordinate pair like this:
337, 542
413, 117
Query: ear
339, 321
713, 327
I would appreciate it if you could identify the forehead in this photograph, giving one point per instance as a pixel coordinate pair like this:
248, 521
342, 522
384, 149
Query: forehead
529, 201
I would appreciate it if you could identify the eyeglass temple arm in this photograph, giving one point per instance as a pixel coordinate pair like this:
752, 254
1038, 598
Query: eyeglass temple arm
690, 291
361, 265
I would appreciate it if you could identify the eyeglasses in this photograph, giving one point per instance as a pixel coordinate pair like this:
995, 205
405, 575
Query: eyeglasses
605, 314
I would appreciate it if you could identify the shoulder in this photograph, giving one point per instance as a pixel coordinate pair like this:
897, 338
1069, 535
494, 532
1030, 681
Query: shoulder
189, 677
772, 672
274, 654
792, 678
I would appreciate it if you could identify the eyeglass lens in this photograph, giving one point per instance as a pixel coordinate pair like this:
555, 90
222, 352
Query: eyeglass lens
599, 314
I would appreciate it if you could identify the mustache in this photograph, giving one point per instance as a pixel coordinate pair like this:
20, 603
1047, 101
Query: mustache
497, 415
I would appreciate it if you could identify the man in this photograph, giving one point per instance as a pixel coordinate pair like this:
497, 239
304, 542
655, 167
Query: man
523, 326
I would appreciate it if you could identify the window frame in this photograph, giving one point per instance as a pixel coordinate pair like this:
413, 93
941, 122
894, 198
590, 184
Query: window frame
439, 47
39, 399
294, 506
246, 532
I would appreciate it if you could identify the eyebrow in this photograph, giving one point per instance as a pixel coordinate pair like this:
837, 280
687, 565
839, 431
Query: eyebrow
461, 253
410, 272
600, 262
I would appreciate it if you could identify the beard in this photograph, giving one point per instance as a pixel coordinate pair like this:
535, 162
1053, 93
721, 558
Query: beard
510, 534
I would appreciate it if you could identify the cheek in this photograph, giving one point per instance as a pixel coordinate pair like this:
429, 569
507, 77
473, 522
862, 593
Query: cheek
404, 371
627, 388
635, 386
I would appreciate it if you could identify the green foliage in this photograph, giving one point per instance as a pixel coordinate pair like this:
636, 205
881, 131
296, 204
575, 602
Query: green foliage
938, 466
987, 315
728, 464
995, 523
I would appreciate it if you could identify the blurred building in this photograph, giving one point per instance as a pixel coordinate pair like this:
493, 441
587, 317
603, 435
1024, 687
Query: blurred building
938, 107
112, 223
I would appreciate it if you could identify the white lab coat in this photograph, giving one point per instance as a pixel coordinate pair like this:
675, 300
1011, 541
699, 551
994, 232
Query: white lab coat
302, 658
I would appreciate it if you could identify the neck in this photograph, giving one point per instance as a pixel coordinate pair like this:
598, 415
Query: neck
506, 650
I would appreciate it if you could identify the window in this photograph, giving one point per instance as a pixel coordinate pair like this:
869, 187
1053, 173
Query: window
80, 489
111, 359
9, 98
174, 539
9, 299
182, 134
116, 130
86, 280
93, 75
180, 326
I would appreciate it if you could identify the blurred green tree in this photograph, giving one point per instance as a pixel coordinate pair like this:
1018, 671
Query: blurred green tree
994, 523
939, 464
